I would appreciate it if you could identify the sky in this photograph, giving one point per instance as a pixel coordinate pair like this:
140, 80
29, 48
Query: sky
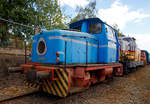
131, 16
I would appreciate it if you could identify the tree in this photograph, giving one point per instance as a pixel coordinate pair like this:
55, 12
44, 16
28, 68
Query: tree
88, 12
120, 34
21, 11
45, 14
49, 14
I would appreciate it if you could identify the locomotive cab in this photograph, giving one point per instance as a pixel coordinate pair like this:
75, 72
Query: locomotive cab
108, 44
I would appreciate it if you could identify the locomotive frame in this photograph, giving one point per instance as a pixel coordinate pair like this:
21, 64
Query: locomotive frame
62, 80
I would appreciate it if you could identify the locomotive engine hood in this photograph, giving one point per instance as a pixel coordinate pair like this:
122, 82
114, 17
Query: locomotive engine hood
49, 46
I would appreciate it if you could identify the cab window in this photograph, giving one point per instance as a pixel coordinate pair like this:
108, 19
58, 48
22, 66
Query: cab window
110, 33
95, 28
77, 28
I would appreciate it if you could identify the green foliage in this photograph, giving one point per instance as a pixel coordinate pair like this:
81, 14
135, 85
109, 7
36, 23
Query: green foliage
120, 34
21, 11
88, 12
42, 13
49, 14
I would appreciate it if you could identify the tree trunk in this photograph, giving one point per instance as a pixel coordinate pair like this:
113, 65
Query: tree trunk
4, 34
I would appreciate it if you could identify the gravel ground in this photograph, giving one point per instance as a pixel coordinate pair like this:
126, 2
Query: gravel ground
130, 89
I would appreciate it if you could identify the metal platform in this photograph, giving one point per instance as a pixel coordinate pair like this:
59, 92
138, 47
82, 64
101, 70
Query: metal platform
79, 64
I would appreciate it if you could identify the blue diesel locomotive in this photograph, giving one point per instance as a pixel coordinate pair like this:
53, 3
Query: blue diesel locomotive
64, 61
92, 42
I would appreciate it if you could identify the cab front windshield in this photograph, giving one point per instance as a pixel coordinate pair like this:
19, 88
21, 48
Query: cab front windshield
95, 28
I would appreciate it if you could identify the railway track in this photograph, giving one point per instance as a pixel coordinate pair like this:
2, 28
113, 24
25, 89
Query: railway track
11, 93
14, 94
100, 91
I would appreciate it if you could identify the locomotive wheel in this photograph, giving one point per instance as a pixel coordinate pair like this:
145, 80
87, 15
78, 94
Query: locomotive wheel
110, 77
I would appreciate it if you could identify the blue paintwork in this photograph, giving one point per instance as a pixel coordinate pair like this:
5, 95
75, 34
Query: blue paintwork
109, 52
117, 42
101, 48
76, 49
147, 56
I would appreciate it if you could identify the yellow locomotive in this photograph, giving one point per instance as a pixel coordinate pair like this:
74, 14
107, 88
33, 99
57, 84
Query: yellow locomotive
130, 55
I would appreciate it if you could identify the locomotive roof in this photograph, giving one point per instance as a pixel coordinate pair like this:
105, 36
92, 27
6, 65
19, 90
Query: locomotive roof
92, 20
127, 38
65, 33
89, 20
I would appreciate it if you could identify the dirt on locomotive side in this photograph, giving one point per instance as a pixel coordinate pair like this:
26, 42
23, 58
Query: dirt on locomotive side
129, 89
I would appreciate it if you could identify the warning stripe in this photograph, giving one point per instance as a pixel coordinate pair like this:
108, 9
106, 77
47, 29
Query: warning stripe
63, 75
50, 86
62, 80
46, 87
57, 87
61, 88
34, 85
